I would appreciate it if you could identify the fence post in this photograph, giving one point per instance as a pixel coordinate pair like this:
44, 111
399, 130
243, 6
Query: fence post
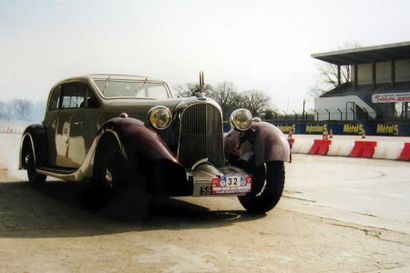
354, 113
328, 113
296, 115
341, 113
367, 113
275, 114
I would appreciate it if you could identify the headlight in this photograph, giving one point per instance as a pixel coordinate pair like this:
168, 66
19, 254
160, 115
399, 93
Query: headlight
159, 117
241, 119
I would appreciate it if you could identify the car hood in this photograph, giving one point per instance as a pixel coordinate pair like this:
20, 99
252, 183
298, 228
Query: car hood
138, 108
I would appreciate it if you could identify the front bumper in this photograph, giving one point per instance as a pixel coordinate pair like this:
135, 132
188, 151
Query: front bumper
208, 180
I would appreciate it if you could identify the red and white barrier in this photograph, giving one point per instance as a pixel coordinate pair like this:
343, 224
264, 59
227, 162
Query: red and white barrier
10, 130
405, 153
371, 147
363, 149
320, 147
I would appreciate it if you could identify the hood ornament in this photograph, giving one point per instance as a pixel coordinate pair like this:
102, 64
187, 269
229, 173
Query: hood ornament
200, 93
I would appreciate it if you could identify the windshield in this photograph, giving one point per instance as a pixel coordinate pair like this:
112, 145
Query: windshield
132, 89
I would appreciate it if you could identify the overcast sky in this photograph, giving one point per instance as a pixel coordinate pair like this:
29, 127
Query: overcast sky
263, 44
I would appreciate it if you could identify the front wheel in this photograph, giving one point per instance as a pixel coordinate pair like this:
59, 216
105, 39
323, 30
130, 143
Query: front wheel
274, 175
129, 200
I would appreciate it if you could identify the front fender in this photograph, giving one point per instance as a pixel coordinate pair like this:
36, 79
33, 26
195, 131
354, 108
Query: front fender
137, 137
264, 140
156, 161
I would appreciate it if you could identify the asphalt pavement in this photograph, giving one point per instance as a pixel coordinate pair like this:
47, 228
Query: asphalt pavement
337, 214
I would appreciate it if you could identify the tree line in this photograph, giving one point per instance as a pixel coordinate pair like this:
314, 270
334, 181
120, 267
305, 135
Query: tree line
230, 97
225, 93
22, 109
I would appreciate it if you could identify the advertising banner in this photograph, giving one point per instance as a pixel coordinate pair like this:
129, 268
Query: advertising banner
391, 97
342, 128
346, 128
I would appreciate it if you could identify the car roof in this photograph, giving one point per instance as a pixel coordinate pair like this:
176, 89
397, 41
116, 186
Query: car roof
110, 77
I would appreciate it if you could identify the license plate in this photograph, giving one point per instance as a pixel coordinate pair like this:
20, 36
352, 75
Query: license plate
232, 184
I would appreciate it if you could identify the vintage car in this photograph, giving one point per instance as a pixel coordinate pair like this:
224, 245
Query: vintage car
131, 135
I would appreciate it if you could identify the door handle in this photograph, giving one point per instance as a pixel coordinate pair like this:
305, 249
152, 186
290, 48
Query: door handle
79, 123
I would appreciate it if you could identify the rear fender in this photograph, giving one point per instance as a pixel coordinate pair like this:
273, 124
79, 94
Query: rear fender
35, 136
263, 142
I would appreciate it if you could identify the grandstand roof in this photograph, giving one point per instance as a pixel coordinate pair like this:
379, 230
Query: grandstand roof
370, 54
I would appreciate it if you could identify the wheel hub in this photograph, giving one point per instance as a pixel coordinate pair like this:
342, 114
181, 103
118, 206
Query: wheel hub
27, 159
108, 177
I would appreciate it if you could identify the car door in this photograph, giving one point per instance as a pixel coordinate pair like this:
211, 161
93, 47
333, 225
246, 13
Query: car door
50, 123
70, 147
84, 122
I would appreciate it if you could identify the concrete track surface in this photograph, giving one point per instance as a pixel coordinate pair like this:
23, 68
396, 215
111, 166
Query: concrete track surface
337, 214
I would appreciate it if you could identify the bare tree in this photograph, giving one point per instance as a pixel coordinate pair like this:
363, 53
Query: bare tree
189, 89
229, 98
327, 78
327, 74
21, 108
255, 101
225, 94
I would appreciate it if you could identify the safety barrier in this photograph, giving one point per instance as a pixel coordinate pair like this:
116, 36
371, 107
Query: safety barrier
363, 149
10, 130
320, 147
387, 148
340, 147
301, 146
405, 153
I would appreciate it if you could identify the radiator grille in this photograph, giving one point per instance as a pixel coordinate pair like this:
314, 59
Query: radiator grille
201, 135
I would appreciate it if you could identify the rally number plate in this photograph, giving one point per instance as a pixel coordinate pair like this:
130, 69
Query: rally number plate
232, 184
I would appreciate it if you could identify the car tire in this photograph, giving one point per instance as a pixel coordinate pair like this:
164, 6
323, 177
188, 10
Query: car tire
128, 199
274, 175
34, 178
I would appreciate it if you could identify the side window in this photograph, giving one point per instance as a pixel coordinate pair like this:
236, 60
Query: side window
55, 99
73, 96
91, 100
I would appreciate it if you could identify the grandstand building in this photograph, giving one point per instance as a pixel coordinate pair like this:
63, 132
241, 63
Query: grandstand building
378, 88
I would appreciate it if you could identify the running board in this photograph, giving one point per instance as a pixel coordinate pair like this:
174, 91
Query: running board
65, 174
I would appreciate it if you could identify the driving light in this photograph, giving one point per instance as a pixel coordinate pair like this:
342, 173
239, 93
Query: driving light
241, 119
159, 117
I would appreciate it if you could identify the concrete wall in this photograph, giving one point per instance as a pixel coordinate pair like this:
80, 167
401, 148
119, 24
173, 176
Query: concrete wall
333, 103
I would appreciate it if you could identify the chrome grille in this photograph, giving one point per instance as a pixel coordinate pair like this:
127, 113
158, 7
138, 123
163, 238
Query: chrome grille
201, 135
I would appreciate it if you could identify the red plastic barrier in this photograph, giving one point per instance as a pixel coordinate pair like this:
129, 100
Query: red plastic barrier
320, 147
405, 153
363, 149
